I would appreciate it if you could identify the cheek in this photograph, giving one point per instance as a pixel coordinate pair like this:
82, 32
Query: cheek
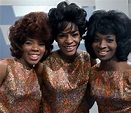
60, 43
43, 50
78, 40
114, 47
94, 46
114, 50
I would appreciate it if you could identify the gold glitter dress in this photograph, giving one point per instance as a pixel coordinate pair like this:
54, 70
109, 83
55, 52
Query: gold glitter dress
112, 90
65, 84
20, 91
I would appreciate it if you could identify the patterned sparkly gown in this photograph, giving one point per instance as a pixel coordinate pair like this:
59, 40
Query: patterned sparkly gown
112, 90
65, 84
20, 91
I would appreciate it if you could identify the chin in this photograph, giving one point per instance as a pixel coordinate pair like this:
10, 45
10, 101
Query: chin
71, 54
33, 63
105, 60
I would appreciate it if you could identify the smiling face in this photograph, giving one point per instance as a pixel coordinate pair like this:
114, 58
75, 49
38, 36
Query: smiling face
33, 50
104, 46
69, 40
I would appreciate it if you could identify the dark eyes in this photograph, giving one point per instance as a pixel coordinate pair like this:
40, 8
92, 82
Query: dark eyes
31, 43
109, 40
41, 44
96, 40
28, 42
62, 35
75, 34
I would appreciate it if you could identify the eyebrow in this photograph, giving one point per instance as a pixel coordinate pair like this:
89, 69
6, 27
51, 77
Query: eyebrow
107, 35
72, 31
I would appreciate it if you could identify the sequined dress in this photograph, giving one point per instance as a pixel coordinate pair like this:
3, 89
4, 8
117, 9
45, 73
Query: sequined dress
112, 90
65, 84
20, 91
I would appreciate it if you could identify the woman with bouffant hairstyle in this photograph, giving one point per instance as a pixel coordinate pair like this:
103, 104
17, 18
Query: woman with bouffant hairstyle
35, 24
31, 41
109, 39
65, 71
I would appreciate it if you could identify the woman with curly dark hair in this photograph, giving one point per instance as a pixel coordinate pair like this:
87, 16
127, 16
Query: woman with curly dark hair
109, 39
65, 71
31, 41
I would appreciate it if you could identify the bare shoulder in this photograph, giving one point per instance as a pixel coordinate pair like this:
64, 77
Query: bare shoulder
129, 65
3, 67
3, 64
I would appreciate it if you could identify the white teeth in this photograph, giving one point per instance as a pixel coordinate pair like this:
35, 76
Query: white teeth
103, 52
69, 47
34, 56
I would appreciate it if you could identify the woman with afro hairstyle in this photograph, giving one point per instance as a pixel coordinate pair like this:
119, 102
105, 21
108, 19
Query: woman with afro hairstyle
31, 41
109, 39
65, 71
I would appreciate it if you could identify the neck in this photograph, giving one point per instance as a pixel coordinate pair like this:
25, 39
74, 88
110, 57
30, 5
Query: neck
25, 65
114, 65
66, 58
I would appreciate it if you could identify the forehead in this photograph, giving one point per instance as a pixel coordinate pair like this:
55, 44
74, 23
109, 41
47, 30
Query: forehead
70, 27
39, 39
104, 35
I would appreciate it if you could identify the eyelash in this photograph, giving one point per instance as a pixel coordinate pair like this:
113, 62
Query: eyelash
109, 40
30, 43
64, 35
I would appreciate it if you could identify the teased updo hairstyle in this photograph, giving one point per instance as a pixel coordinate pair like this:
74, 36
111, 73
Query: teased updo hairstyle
66, 13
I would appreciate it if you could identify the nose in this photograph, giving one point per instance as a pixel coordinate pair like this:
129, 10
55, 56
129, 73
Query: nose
102, 44
69, 39
35, 47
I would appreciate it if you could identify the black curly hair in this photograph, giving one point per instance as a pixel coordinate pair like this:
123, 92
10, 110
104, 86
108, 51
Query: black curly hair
110, 22
65, 13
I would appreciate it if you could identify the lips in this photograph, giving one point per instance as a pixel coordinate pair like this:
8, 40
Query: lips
69, 48
34, 56
102, 53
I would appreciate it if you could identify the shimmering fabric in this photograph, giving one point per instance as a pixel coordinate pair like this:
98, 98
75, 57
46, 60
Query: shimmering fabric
65, 85
112, 90
20, 91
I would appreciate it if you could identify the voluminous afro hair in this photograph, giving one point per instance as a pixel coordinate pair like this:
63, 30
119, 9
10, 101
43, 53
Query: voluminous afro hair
34, 25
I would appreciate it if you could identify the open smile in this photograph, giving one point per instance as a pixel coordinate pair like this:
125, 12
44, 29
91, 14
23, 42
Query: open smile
70, 48
102, 53
34, 56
